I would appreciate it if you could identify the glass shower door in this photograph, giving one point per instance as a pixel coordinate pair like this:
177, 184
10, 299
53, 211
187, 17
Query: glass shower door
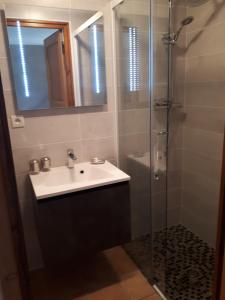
132, 41
134, 105
143, 92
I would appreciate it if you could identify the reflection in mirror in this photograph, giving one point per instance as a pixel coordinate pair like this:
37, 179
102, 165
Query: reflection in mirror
90, 49
41, 64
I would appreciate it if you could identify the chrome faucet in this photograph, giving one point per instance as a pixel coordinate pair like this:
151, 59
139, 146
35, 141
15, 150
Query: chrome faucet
71, 157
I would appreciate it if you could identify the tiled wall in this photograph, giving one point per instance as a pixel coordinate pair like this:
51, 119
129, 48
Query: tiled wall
205, 116
196, 130
89, 131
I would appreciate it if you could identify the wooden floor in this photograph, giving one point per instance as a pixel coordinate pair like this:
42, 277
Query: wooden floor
111, 275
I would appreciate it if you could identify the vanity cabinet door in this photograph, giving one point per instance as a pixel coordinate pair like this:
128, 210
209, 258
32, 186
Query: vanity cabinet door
55, 230
83, 223
104, 220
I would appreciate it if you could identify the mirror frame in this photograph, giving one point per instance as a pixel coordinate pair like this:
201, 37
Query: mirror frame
64, 26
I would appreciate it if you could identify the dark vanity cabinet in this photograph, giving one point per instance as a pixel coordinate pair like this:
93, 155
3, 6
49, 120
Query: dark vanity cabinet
82, 223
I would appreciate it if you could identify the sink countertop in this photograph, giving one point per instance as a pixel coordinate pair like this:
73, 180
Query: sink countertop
84, 176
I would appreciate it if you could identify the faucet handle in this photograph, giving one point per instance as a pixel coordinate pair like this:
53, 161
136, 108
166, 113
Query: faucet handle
70, 153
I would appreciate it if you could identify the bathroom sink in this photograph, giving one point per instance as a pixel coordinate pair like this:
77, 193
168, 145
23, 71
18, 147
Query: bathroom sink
62, 180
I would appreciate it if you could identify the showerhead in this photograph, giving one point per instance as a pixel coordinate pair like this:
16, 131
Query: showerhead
183, 23
187, 21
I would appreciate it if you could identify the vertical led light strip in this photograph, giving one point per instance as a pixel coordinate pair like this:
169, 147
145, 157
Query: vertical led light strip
133, 60
96, 61
23, 63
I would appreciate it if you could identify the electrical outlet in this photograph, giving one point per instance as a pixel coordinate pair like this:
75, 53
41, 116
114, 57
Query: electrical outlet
17, 121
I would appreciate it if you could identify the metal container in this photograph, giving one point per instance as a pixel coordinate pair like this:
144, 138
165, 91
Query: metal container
34, 166
97, 161
45, 164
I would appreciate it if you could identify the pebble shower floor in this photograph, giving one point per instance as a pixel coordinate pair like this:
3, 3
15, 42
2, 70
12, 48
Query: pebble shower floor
183, 264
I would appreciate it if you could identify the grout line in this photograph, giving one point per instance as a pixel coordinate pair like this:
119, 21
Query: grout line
186, 57
206, 157
205, 107
192, 173
64, 142
202, 130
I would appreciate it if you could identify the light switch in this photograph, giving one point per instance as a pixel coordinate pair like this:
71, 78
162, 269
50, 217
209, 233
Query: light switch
17, 121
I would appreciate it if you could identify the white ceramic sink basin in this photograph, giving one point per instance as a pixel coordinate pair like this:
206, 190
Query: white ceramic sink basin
83, 176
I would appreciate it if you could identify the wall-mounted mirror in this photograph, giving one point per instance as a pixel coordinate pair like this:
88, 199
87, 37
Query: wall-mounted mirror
41, 64
59, 62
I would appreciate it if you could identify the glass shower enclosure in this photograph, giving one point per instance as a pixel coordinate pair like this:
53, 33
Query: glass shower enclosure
143, 93
161, 136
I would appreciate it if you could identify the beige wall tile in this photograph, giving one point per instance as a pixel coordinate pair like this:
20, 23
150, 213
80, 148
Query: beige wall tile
205, 93
203, 142
6, 82
9, 103
173, 200
200, 202
134, 144
179, 13
176, 134
160, 212
49, 3
207, 14
95, 125
198, 163
208, 68
3, 46
160, 15
175, 159
205, 118
207, 40
57, 153
35, 12
205, 189
102, 148
134, 121
46, 130
88, 4
174, 179
158, 186
203, 228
